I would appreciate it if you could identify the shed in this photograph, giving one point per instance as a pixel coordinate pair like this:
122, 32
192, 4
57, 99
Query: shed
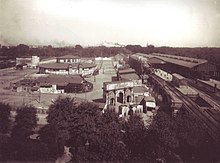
179, 80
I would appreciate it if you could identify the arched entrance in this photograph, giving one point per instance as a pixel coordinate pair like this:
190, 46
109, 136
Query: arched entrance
120, 97
112, 101
128, 98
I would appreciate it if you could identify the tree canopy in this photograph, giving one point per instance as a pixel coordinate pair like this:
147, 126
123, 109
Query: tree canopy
4, 117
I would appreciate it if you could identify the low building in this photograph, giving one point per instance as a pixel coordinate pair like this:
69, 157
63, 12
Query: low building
68, 59
63, 84
125, 97
68, 65
30, 62
179, 80
129, 74
54, 84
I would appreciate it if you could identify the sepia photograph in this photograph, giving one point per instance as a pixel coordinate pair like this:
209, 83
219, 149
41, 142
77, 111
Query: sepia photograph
104, 81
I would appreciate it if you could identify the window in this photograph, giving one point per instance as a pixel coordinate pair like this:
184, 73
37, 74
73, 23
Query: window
128, 98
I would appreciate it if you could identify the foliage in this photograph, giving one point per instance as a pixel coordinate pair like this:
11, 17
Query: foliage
25, 122
193, 139
4, 141
4, 118
48, 136
94, 136
108, 144
135, 137
165, 127
56, 133
32, 150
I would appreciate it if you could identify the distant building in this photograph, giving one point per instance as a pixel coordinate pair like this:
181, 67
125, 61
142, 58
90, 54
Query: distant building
129, 74
54, 84
68, 59
68, 65
30, 62
63, 84
185, 66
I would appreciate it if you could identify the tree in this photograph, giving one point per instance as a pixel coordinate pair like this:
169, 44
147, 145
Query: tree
48, 136
83, 128
5, 124
56, 133
135, 136
109, 144
165, 126
25, 122
4, 118
195, 143
78, 47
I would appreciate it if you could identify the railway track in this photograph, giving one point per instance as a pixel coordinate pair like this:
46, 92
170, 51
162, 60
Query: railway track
211, 123
208, 120
208, 93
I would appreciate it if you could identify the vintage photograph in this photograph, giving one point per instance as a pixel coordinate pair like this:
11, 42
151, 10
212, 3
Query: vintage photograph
110, 81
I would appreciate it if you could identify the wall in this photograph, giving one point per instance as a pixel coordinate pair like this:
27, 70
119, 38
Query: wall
52, 89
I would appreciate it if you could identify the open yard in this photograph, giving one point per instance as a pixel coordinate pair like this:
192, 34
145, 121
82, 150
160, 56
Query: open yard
43, 101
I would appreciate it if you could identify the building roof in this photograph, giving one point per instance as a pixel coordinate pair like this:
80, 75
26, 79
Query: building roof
178, 76
68, 57
186, 90
66, 65
150, 99
140, 89
132, 76
127, 71
212, 83
155, 60
178, 60
138, 99
59, 80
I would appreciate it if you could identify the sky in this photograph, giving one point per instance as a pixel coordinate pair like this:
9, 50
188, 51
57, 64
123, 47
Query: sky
177, 23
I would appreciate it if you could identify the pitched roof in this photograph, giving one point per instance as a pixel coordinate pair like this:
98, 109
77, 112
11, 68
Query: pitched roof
140, 89
155, 60
60, 80
66, 65
178, 60
132, 76
127, 71
178, 76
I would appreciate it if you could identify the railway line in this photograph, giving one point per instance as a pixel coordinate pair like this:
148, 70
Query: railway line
208, 93
206, 117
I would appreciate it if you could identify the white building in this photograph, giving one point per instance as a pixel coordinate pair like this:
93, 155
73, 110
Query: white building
68, 65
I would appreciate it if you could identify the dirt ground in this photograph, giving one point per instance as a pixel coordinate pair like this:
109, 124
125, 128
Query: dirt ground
43, 101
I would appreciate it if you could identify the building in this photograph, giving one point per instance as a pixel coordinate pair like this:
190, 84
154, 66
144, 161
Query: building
53, 84
118, 92
179, 80
185, 66
68, 65
125, 97
29, 62
68, 59
63, 84
129, 74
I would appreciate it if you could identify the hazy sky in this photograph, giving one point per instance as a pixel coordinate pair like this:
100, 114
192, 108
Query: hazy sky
90, 22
